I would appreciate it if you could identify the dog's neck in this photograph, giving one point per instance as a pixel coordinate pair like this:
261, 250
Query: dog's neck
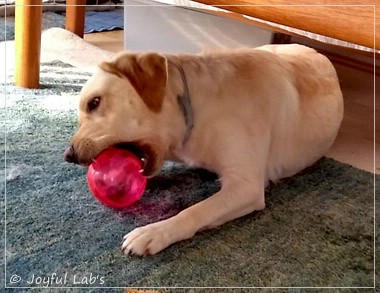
185, 106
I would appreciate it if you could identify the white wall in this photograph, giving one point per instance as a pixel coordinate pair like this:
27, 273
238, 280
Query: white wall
153, 26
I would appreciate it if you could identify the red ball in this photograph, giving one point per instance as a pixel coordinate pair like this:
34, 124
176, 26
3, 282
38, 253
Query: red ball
115, 179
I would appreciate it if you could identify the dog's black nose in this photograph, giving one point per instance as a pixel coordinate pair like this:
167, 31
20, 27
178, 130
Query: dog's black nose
70, 155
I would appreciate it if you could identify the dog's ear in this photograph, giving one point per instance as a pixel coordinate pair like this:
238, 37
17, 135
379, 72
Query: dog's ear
146, 72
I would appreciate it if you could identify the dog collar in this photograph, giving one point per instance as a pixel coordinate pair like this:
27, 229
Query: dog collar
185, 105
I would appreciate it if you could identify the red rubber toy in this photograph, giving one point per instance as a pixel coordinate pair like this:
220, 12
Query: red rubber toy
114, 178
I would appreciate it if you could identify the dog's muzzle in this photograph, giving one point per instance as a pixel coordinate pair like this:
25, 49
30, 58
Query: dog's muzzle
70, 155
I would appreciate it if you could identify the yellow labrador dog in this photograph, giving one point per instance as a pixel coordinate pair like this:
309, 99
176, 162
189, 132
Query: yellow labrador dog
250, 115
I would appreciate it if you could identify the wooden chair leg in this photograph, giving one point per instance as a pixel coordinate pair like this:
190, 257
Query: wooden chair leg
28, 21
75, 16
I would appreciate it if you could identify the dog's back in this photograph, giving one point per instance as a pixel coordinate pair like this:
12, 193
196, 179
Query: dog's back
320, 111
286, 99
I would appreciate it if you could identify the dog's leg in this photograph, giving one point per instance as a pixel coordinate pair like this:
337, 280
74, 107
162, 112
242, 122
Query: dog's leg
237, 198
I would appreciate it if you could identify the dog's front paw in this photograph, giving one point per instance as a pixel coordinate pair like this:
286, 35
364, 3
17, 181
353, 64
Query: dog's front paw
147, 240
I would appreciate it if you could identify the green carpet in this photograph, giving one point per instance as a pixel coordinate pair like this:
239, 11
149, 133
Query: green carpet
317, 229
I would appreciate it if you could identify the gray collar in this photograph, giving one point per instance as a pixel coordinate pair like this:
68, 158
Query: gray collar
185, 105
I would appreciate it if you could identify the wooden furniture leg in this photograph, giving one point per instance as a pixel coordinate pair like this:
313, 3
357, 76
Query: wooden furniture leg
75, 16
28, 25
28, 21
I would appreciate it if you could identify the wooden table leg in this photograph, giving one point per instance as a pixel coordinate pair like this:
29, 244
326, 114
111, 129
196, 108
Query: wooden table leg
75, 16
28, 21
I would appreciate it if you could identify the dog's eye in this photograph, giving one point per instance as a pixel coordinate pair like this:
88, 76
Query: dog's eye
93, 104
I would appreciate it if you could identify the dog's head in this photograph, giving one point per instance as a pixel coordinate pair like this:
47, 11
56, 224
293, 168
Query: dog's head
121, 105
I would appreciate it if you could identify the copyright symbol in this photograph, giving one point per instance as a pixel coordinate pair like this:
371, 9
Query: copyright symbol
15, 279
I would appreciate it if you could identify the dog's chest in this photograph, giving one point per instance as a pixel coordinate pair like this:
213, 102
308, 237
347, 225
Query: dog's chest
190, 157
185, 158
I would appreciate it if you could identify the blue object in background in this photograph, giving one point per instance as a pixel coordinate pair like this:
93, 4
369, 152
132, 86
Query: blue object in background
104, 21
